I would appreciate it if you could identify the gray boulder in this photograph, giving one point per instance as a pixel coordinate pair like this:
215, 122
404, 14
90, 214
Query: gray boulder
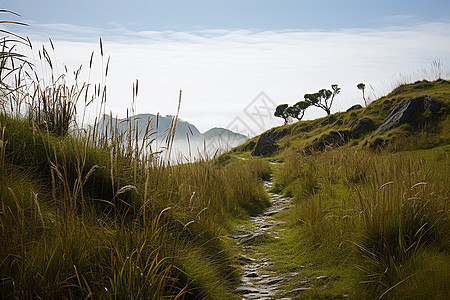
355, 107
265, 146
328, 120
332, 139
276, 134
411, 112
360, 127
249, 146
338, 123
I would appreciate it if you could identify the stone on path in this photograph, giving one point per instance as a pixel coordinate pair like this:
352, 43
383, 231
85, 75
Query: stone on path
297, 290
274, 280
245, 258
250, 237
252, 274
270, 213
243, 290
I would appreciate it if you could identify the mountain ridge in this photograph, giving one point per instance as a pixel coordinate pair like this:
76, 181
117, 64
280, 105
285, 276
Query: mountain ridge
158, 126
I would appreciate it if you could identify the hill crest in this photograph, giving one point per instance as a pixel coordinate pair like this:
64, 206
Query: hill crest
358, 125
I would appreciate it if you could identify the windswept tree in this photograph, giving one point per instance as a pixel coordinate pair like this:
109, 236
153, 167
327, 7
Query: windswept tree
281, 112
362, 87
323, 98
298, 109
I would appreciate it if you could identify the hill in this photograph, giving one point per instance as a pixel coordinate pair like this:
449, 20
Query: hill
359, 126
370, 193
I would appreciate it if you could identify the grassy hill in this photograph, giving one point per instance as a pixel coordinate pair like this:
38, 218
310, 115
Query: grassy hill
371, 210
306, 135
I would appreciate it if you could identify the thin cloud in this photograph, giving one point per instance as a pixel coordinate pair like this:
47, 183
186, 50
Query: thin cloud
221, 71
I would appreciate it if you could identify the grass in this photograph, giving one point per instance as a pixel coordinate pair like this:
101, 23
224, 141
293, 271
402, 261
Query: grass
380, 219
74, 212
309, 135
94, 213
371, 212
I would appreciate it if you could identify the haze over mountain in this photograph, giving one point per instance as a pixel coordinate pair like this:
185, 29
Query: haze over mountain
188, 140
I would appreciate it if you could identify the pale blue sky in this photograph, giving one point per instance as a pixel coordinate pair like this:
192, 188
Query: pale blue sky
225, 53
230, 14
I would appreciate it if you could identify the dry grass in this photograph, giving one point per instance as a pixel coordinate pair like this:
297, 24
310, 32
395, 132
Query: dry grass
388, 213
93, 212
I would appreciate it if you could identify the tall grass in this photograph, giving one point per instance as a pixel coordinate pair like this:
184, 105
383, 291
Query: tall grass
386, 213
92, 212
434, 71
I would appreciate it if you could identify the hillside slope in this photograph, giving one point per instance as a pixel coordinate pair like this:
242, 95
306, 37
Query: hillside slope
358, 127
92, 217
370, 190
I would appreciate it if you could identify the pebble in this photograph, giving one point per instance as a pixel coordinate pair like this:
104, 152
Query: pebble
297, 290
270, 213
274, 280
246, 258
305, 282
252, 274
250, 237
246, 290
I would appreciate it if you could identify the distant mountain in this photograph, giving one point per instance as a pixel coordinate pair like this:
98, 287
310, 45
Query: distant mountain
159, 125
222, 135
215, 138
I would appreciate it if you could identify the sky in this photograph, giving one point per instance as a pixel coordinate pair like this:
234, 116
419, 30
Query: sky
236, 60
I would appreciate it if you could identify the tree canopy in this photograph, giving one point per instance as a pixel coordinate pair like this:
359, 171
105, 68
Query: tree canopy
362, 87
295, 111
298, 109
323, 98
281, 112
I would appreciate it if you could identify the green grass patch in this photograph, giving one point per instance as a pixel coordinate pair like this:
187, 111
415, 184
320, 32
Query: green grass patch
375, 213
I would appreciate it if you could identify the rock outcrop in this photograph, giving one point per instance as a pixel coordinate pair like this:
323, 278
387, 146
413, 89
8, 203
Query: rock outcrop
360, 127
328, 120
338, 123
250, 145
265, 146
332, 139
276, 134
355, 107
413, 111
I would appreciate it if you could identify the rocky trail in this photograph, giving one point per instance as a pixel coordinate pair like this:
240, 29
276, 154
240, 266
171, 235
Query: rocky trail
258, 281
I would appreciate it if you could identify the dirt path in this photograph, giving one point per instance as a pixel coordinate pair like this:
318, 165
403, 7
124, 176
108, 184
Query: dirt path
258, 282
